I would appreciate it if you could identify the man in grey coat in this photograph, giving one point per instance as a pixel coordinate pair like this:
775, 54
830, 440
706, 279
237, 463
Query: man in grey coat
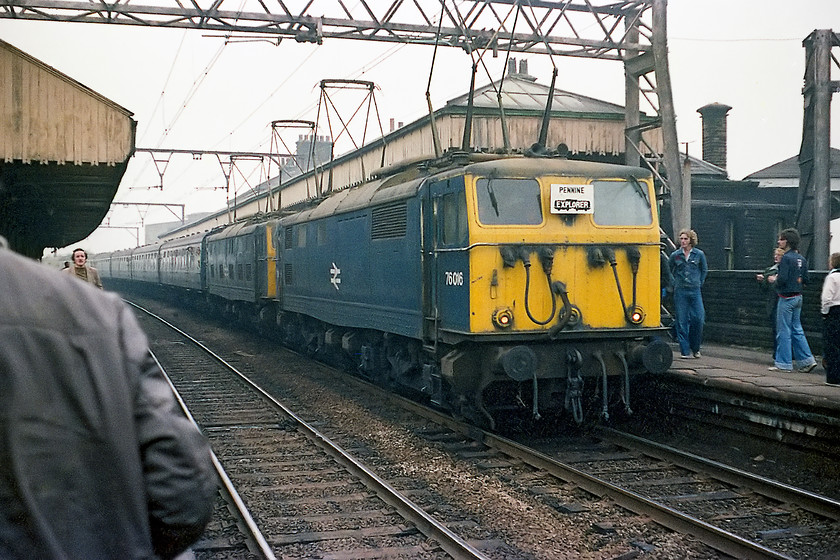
96, 461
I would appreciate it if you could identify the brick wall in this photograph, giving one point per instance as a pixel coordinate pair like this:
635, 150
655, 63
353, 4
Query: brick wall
736, 309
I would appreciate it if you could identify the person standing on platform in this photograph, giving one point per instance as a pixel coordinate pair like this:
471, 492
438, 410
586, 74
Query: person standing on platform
766, 280
96, 460
791, 345
82, 270
688, 269
830, 308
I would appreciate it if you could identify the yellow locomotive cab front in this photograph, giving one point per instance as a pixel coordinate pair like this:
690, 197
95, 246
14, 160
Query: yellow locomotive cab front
539, 241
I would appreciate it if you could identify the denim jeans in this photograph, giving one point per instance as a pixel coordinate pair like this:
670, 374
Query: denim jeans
688, 304
791, 346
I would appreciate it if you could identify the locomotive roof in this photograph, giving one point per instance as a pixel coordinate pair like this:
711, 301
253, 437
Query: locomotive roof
234, 230
371, 193
529, 167
406, 183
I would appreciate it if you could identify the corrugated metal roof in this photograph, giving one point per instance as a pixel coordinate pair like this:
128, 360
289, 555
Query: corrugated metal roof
527, 95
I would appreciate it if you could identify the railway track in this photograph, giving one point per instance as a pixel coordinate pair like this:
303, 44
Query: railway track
734, 513
232, 530
309, 497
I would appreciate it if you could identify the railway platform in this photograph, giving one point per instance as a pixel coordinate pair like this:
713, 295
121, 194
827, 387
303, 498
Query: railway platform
731, 387
744, 370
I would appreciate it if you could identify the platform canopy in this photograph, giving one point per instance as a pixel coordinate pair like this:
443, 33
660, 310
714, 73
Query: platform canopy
63, 151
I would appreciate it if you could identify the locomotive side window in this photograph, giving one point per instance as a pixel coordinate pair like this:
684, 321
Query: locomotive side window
508, 202
321, 232
452, 213
621, 203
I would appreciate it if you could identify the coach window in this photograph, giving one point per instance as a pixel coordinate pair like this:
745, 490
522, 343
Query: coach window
621, 203
230, 271
508, 202
301, 235
239, 274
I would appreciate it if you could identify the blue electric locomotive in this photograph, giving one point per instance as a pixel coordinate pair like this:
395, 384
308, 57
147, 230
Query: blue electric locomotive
497, 286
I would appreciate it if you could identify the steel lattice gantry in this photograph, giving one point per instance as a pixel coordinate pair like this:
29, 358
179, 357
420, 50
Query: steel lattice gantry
553, 27
629, 32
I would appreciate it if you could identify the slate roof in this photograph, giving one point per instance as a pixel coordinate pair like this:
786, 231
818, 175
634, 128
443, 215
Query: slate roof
789, 168
703, 168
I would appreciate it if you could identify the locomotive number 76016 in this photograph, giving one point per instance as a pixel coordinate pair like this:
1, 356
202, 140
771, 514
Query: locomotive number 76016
454, 278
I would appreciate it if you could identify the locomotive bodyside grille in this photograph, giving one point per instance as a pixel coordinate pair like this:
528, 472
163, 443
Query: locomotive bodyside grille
388, 221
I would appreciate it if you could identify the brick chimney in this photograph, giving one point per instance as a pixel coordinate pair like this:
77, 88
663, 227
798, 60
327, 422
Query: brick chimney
714, 133
522, 74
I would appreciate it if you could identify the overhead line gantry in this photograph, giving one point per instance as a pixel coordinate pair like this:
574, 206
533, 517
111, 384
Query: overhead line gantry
631, 32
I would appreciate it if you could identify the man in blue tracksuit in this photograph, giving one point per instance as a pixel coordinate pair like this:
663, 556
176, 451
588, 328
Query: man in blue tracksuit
688, 269
791, 346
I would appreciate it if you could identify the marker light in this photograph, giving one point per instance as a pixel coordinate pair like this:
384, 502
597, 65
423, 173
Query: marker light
636, 315
503, 318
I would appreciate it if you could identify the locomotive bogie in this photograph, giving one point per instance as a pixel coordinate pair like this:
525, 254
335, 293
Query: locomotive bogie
547, 379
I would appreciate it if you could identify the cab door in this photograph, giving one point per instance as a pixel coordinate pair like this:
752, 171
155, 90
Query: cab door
445, 258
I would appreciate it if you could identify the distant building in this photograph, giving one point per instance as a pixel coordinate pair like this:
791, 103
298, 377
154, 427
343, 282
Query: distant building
738, 222
154, 232
785, 174
310, 151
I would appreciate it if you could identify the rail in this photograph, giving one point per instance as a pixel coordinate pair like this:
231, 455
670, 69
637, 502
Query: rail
451, 543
